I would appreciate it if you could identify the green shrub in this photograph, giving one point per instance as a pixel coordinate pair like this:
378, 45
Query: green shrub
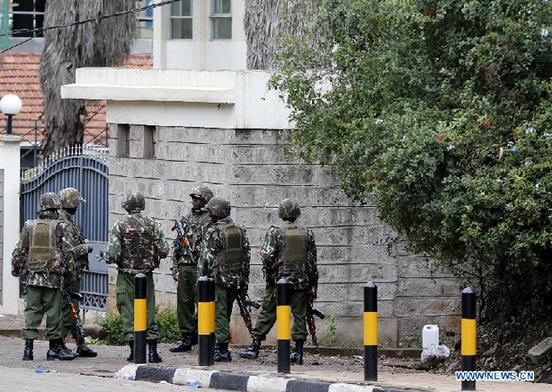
112, 324
166, 320
439, 112
168, 325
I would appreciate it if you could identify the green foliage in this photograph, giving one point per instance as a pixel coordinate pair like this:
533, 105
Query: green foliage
442, 111
112, 324
331, 328
168, 325
166, 320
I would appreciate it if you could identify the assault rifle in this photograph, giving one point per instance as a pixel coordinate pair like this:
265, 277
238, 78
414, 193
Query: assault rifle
74, 309
245, 304
311, 312
182, 230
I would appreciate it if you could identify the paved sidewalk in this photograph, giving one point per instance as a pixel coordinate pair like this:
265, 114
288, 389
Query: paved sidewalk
330, 369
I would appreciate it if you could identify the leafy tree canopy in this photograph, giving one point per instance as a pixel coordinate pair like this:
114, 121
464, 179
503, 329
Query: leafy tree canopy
442, 110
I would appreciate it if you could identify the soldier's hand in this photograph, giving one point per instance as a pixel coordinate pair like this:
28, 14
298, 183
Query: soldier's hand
312, 296
174, 271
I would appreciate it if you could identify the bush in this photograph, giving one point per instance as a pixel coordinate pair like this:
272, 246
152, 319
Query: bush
166, 320
112, 325
440, 109
169, 332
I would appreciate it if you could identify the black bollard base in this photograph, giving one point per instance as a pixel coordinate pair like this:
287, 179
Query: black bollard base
370, 363
283, 356
468, 364
204, 350
140, 347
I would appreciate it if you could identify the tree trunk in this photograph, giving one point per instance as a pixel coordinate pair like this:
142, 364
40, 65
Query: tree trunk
266, 22
105, 43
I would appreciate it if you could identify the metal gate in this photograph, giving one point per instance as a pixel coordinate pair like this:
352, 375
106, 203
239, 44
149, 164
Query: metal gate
86, 169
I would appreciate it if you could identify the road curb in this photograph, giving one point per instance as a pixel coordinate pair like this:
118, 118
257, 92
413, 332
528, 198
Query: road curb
234, 381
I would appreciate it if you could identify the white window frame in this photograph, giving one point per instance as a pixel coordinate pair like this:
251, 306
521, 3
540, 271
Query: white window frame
142, 20
191, 17
215, 16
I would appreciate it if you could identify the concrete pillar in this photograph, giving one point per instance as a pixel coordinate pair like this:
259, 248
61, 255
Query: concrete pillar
9, 163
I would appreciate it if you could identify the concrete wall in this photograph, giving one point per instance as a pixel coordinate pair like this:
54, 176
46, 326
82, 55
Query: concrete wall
9, 220
249, 168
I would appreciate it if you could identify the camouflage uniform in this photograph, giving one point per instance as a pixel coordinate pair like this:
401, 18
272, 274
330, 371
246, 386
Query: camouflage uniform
43, 257
70, 200
225, 255
136, 245
186, 294
288, 251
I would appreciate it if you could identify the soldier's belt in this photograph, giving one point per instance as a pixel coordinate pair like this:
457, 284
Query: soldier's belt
133, 271
187, 263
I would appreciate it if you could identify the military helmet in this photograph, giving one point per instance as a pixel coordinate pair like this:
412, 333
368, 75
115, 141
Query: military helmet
134, 201
70, 197
218, 207
49, 201
203, 192
289, 209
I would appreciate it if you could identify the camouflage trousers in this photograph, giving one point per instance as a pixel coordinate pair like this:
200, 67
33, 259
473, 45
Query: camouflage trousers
224, 301
186, 298
125, 305
40, 301
267, 317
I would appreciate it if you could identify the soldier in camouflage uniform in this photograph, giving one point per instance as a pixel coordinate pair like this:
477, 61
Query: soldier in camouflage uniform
225, 255
43, 256
288, 251
184, 269
70, 200
136, 245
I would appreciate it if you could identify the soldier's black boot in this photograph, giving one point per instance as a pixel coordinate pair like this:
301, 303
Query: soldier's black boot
58, 351
130, 358
28, 351
153, 355
84, 351
297, 354
252, 351
182, 345
221, 353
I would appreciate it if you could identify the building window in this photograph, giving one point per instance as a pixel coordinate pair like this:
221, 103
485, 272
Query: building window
181, 19
123, 140
144, 20
221, 19
27, 15
149, 142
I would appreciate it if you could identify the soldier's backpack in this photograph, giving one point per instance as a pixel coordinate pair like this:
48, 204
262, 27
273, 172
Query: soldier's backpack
231, 259
138, 246
293, 253
44, 237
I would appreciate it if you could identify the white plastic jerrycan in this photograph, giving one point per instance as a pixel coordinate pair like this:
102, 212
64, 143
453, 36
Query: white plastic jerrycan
430, 336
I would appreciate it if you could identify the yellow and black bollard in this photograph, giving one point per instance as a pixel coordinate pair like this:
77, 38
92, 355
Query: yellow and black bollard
140, 318
213, 322
283, 321
370, 332
468, 335
204, 321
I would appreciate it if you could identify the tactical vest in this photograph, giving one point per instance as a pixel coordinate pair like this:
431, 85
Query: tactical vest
292, 257
231, 259
138, 251
43, 246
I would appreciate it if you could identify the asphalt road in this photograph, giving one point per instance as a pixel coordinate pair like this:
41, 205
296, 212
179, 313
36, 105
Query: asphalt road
27, 380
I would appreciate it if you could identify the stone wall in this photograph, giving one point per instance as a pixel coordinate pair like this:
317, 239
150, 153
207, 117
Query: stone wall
250, 168
1, 233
